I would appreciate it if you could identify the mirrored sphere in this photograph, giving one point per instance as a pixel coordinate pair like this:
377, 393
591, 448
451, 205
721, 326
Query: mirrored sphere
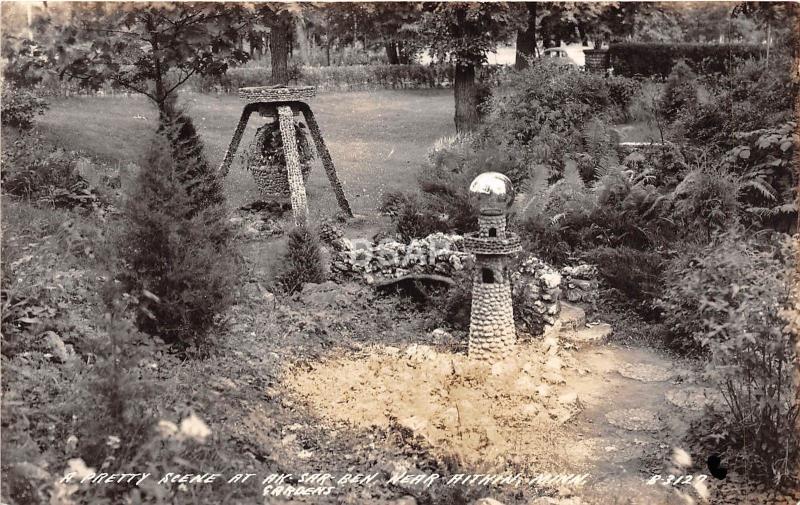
492, 192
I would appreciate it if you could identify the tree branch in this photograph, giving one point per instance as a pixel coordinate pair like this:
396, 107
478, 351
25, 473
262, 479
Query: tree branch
181, 81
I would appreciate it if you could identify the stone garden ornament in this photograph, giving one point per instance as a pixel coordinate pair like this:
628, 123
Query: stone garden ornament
492, 334
283, 103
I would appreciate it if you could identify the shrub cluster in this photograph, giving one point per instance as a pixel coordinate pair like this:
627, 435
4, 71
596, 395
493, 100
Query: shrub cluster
750, 97
38, 172
728, 299
303, 261
20, 107
174, 247
547, 113
637, 59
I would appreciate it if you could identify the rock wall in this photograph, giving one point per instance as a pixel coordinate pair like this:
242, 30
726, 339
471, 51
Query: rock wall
580, 283
536, 292
437, 253
537, 286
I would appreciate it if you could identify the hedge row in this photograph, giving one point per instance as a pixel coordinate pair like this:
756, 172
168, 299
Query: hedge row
334, 78
657, 60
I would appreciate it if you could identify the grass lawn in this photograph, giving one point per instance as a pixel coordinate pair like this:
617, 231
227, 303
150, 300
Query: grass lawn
377, 139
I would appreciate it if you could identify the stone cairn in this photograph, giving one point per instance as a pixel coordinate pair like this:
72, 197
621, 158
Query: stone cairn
580, 283
284, 103
537, 288
492, 334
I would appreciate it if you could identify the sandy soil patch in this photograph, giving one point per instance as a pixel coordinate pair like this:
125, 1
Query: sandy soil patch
485, 416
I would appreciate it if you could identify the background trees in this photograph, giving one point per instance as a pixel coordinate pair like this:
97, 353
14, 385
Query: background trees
464, 33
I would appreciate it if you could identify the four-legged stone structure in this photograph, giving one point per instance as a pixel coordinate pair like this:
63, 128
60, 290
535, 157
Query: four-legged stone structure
284, 103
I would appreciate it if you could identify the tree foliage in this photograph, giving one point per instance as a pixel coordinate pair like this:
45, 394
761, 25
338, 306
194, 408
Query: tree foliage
151, 49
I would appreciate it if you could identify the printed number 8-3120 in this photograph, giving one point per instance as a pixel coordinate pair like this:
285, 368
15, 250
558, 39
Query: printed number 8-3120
673, 480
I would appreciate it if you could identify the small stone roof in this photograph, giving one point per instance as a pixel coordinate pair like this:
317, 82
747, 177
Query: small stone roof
261, 94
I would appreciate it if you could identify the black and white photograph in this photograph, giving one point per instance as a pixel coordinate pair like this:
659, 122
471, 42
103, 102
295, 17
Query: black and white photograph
399, 253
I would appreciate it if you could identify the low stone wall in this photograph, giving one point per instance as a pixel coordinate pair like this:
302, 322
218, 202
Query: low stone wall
388, 259
536, 289
536, 286
579, 283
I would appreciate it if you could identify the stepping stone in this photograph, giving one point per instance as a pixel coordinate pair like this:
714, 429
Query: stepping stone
635, 420
571, 317
645, 373
693, 398
594, 335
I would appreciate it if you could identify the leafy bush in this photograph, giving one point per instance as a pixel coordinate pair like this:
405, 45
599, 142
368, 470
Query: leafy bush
657, 60
680, 90
763, 160
547, 241
20, 107
635, 273
646, 107
727, 300
176, 255
751, 97
539, 114
303, 262
39, 172
707, 198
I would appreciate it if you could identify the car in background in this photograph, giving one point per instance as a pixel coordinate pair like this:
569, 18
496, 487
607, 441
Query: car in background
558, 56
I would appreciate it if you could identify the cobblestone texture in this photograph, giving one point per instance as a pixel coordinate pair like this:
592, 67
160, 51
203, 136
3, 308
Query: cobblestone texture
295, 176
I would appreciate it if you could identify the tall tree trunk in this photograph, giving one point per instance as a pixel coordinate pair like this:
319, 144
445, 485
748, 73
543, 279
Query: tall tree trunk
279, 50
328, 51
526, 39
466, 96
403, 56
391, 53
160, 91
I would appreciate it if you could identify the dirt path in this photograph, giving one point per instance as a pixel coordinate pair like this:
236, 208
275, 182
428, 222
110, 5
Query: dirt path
628, 427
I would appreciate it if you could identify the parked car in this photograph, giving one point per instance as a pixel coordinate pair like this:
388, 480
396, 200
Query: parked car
559, 55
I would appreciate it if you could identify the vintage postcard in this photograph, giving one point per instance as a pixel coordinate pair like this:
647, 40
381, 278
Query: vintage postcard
400, 253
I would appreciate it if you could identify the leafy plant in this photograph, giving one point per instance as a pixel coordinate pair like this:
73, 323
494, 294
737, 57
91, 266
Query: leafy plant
633, 272
39, 172
680, 91
727, 298
541, 114
764, 160
20, 107
707, 197
303, 262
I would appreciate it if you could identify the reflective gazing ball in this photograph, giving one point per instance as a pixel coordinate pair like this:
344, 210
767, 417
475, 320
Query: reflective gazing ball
492, 192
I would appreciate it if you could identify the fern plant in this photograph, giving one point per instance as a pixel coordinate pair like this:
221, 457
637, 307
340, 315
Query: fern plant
763, 161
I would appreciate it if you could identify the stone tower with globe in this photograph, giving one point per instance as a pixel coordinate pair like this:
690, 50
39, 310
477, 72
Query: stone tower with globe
492, 335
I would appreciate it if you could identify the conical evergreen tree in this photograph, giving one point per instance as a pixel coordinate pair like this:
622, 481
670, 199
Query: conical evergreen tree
201, 181
174, 246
